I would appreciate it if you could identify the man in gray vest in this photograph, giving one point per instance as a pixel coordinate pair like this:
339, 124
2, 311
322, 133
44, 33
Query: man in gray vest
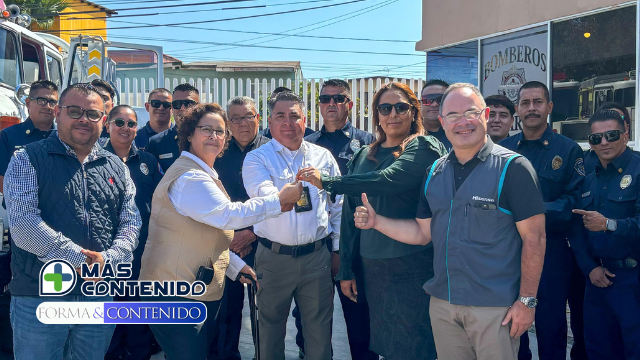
482, 207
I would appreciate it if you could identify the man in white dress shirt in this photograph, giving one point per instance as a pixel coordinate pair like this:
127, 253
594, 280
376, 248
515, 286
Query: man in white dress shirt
292, 252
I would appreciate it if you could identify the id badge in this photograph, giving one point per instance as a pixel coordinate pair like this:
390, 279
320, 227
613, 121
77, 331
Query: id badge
304, 204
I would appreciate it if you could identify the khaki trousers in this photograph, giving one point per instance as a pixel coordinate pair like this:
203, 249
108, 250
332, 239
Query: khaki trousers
307, 279
471, 332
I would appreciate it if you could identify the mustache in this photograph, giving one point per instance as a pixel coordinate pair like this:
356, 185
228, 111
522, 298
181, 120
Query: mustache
532, 116
83, 126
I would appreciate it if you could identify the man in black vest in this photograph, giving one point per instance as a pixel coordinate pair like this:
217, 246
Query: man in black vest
482, 208
72, 201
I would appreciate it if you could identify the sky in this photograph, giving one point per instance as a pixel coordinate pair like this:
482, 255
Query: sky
362, 21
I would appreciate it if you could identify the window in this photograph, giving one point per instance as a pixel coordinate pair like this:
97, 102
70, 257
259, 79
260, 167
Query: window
55, 72
9, 71
454, 64
30, 62
594, 61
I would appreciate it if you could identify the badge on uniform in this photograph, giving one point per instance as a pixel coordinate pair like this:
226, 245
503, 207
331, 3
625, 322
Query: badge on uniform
355, 145
144, 169
304, 204
166, 156
556, 162
625, 182
579, 166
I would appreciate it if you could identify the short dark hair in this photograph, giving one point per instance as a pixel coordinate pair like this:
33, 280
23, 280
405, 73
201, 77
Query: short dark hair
158, 91
119, 108
278, 90
337, 83
99, 83
42, 84
535, 85
189, 120
83, 88
610, 105
607, 115
433, 82
186, 87
501, 100
286, 96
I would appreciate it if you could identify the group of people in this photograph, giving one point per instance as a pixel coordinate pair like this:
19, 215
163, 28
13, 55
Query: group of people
444, 236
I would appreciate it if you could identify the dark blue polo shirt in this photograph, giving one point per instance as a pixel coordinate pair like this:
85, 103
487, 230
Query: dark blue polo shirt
164, 146
342, 143
440, 135
145, 173
16, 137
614, 192
144, 134
558, 161
266, 132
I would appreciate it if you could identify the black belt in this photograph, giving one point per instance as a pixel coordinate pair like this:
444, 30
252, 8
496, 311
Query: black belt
627, 263
294, 251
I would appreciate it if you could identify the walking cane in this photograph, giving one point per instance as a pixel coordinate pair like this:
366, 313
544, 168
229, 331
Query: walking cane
254, 290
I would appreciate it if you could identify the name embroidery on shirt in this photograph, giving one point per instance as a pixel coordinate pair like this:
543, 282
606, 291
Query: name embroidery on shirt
166, 156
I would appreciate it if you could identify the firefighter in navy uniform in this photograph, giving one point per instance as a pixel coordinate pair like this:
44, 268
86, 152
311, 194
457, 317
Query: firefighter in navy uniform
43, 97
606, 245
164, 145
559, 164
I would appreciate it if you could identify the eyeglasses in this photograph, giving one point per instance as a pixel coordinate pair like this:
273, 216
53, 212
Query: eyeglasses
208, 131
76, 112
469, 115
610, 136
338, 98
239, 120
401, 108
120, 123
157, 103
429, 100
178, 104
44, 101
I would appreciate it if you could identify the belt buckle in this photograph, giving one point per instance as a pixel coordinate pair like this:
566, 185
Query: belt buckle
295, 252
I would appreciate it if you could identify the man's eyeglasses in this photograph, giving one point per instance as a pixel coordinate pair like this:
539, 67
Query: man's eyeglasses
469, 115
208, 131
130, 124
610, 136
239, 120
338, 98
429, 100
178, 104
44, 101
401, 108
76, 112
157, 103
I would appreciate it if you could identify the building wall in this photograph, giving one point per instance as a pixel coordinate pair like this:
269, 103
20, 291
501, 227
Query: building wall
90, 21
453, 21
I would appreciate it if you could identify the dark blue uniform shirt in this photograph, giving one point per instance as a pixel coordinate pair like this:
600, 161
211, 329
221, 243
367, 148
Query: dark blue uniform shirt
145, 173
342, 143
440, 135
144, 134
559, 164
16, 137
614, 192
266, 132
164, 146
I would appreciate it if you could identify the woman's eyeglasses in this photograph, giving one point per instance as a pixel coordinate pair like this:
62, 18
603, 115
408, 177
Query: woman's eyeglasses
610, 136
208, 131
401, 108
130, 124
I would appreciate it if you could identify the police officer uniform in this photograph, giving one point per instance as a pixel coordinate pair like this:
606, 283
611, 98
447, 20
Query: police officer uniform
612, 314
164, 146
229, 320
136, 339
11, 139
559, 165
440, 135
343, 144
144, 134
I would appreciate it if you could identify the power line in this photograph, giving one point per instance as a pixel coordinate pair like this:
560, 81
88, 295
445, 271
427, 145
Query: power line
148, 7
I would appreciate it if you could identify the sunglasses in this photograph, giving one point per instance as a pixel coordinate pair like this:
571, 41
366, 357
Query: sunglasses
76, 112
338, 98
401, 108
157, 103
429, 100
610, 136
130, 124
178, 104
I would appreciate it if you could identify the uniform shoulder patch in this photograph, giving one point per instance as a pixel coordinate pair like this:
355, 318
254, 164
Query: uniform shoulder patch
579, 166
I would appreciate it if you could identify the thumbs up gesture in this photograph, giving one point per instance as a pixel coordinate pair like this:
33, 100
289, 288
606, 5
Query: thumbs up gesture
365, 216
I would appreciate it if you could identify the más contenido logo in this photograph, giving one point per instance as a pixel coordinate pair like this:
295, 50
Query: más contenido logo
57, 278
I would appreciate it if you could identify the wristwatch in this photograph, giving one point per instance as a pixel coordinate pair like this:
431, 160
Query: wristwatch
612, 225
529, 302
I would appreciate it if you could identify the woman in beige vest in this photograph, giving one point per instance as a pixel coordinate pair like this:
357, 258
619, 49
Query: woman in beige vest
192, 223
